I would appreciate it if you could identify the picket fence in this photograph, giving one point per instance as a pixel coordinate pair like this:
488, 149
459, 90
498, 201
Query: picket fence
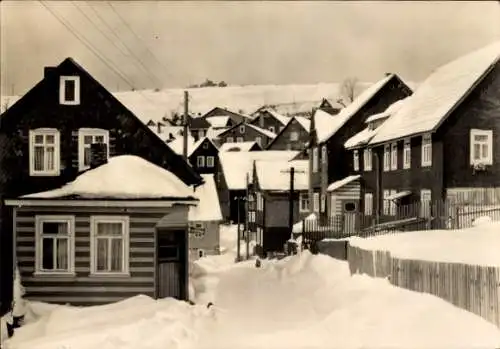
471, 287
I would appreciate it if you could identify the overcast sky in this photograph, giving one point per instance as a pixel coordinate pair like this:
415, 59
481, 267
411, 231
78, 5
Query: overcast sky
180, 43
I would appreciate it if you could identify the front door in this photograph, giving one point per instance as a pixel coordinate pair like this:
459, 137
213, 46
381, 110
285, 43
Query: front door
350, 209
171, 264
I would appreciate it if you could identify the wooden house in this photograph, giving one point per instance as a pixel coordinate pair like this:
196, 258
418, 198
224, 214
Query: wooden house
244, 132
204, 156
235, 118
198, 126
270, 191
220, 122
53, 132
116, 231
236, 168
330, 107
269, 119
442, 144
329, 160
294, 136
204, 220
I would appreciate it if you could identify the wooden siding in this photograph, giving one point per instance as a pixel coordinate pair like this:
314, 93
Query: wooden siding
84, 289
265, 120
211, 150
348, 193
277, 209
249, 135
283, 141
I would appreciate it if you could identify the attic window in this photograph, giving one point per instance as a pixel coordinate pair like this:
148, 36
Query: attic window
87, 137
242, 129
69, 90
294, 136
481, 144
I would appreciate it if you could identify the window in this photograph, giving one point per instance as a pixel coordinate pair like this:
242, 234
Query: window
392, 204
481, 147
368, 204
44, 152
367, 159
200, 161
271, 128
201, 134
251, 216
425, 202
210, 161
386, 202
394, 156
324, 154
323, 202
87, 137
304, 202
55, 240
239, 139
109, 245
426, 150
201, 253
205, 144
356, 160
315, 160
69, 90
407, 154
229, 140
258, 140
387, 158
260, 202
316, 202
242, 129
294, 136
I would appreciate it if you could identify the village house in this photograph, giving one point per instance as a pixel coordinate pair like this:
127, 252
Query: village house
235, 118
235, 174
329, 160
67, 122
269, 214
204, 156
116, 231
244, 132
198, 126
241, 146
330, 107
294, 136
204, 220
453, 114
301, 108
270, 120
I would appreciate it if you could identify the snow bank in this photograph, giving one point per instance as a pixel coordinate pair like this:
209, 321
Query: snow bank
477, 245
138, 322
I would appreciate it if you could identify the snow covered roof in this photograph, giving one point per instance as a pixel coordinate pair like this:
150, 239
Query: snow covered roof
439, 94
213, 133
339, 184
275, 175
208, 208
346, 113
242, 146
166, 131
123, 177
263, 131
197, 144
236, 165
392, 109
177, 145
322, 121
218, 121
304, 122
281, 118
299, 226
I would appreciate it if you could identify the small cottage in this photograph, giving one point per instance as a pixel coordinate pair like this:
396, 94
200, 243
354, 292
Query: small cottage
204, 156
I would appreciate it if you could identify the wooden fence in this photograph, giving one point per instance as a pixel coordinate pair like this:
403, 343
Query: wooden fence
470, 287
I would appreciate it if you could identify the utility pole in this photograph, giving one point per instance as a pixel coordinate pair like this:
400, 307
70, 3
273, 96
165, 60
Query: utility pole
292, 172
185, 124
247, 230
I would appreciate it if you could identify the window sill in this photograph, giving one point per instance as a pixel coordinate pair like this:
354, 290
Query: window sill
54, 274
110, 275
45, 174
69, 102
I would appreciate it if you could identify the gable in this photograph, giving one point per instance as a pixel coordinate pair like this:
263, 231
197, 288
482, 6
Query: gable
98, 108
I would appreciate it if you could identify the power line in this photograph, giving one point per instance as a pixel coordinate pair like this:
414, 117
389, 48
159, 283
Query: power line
153, 77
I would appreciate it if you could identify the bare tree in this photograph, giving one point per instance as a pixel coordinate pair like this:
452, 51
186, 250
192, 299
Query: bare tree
347, 91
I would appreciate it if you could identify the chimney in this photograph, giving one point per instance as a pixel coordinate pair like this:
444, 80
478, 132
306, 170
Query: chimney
387, 74
98, 154
48, 72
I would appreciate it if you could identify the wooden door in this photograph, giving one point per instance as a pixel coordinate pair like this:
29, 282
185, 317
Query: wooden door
170, 264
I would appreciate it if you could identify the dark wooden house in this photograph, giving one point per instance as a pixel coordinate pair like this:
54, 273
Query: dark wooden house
244, 132
235, 118
204, 156
442, 144
102, 238
198, 127
294, 136
269, 119
329, 160
49, 136
330, 107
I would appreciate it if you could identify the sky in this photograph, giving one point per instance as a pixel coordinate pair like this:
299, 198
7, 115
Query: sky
153, 44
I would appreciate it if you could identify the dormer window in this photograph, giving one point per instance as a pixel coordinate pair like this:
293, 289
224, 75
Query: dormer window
69, 90
87, 137
44, 152
242, 129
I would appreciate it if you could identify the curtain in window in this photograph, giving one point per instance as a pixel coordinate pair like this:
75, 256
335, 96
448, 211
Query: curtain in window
109, 247
39, 157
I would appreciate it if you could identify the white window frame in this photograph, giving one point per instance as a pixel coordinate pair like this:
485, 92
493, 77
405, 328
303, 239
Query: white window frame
316, 202
258, 140
57, 151
210, 161
230, 140
368, 202
323, 202
387, 158
62, 90
425, 202
239, 139
426, 150
304, 202
324, 154
125, 221
355, 157
367, 159
259, 201
242, 129
315, 159
200, 161
294, 136
407, 154
386, 203
488, 160
392, 204
251, 216
70, 221
92, 132
394, 156
272, 129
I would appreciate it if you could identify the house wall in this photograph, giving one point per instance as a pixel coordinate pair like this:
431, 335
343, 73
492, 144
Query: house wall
201, 151
349, 193
277, 209
480, 110
210, 242
248, 135
283, 141
84, 289
266, 121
